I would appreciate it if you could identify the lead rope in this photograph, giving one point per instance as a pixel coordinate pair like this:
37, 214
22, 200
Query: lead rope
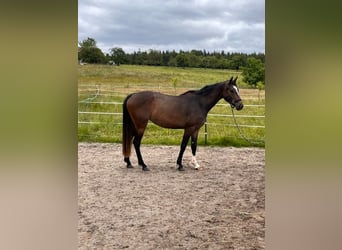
92, 97
240, 131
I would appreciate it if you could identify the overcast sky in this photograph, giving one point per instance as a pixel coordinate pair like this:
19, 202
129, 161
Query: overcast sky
213, 25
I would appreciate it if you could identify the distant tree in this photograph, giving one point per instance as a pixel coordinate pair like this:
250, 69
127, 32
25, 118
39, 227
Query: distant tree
172, 62
260, 86
118, 55
182, 60
89, 53
260, 56
142, 57
154, 57
238, 61
254, 71
192, 58
212, 61
92, 55
222, 63
88, 43
172, 58
204, 62
197, 53
165, 58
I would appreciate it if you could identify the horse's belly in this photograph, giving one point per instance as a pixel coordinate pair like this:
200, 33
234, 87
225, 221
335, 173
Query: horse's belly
177, 122
168, 122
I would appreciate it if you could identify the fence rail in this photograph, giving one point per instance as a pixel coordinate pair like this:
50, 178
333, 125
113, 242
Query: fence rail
88, 118
120, 103
219, 115
207, 123
100, 116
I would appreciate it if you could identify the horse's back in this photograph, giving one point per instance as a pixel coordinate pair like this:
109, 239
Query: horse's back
156, 99
164, 110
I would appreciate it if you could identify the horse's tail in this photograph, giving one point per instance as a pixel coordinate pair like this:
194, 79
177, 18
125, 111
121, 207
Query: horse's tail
127, 130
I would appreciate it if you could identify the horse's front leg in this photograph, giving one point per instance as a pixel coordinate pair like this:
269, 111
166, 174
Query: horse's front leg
193, 149
181, 152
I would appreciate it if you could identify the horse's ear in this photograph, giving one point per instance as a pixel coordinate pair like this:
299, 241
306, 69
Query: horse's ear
230, 80
235, 80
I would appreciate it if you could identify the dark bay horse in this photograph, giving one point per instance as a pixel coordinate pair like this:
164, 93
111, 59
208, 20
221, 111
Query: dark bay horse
187, 111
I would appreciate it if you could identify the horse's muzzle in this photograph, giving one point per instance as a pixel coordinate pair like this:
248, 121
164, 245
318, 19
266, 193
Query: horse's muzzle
235, 103
239, 106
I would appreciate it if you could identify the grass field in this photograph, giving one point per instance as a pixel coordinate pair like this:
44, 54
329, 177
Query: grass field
102, 89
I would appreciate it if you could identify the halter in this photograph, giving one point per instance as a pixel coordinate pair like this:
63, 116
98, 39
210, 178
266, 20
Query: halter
232, 103
230, 99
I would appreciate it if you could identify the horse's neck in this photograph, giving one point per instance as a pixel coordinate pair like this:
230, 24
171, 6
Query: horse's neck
210, 100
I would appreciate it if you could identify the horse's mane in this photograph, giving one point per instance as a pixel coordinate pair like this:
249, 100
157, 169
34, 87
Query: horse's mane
188, 92
203, 91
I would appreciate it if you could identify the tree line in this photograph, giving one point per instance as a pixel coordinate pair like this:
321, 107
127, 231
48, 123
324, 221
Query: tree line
255, 62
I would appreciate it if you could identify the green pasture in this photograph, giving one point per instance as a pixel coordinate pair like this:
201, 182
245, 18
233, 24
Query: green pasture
102, 89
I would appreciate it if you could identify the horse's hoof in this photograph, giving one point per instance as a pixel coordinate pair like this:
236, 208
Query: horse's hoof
181, 168
130, 166
145, 169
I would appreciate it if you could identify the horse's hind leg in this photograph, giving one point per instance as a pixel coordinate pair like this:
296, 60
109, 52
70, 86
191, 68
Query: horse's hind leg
181, 152
137, 142
129, 164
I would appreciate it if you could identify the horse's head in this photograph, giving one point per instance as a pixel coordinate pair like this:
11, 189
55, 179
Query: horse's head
231, 94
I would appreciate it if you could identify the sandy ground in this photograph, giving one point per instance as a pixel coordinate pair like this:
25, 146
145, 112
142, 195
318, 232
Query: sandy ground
221, 206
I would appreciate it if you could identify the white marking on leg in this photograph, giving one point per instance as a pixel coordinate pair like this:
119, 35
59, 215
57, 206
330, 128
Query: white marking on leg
194, 162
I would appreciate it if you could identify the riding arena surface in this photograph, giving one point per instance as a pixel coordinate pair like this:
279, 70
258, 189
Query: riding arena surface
220, 206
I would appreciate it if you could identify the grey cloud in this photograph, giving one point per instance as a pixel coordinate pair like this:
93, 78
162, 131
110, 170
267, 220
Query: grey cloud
198, 24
